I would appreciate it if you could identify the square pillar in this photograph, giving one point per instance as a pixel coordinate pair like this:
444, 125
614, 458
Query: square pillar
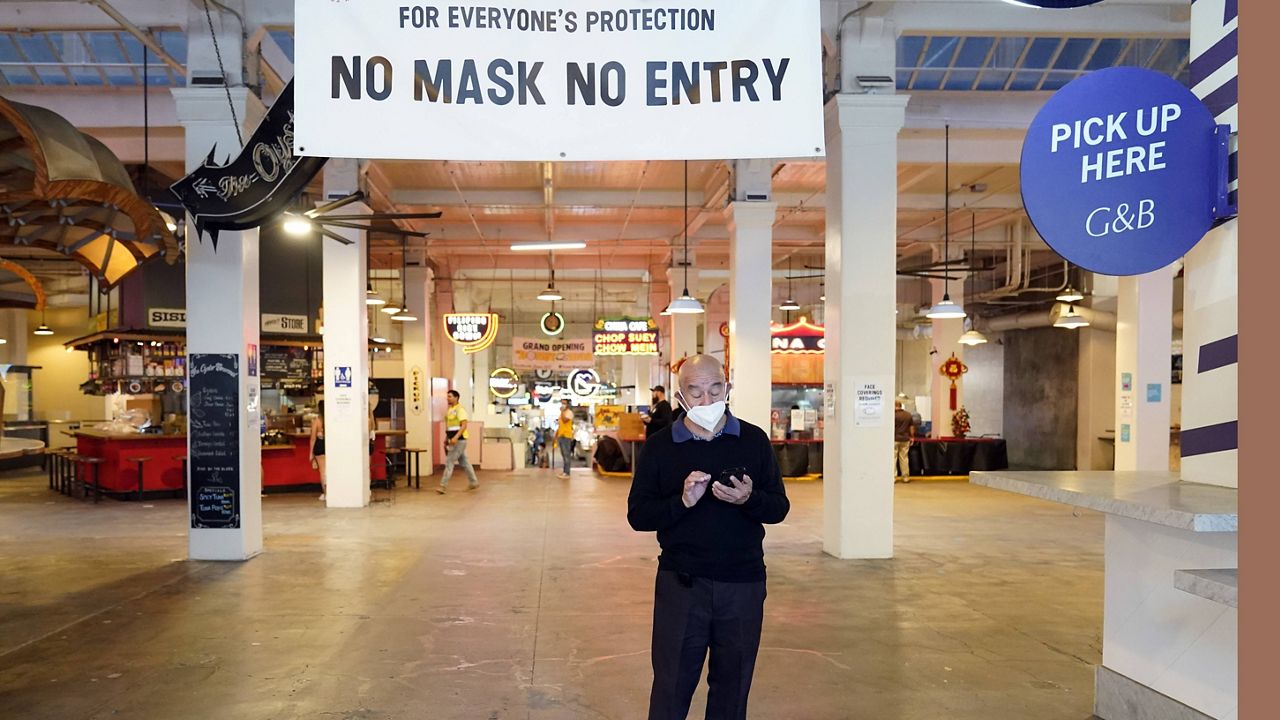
346, 350
750, 296
224, 442
1144, 346
862, 206
417, 352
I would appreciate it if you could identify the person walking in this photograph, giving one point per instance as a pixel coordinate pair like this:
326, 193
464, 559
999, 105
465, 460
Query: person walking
564, 436
317, 446
904, 431
708, 485
455, 426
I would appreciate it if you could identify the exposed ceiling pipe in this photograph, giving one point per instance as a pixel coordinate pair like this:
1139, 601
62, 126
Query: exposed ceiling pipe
143, 37
1013, 267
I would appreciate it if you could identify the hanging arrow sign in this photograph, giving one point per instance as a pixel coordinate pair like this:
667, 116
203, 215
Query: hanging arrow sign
258, 184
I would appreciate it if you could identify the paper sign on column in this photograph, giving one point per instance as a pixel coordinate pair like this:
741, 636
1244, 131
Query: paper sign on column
869, 401
829, 400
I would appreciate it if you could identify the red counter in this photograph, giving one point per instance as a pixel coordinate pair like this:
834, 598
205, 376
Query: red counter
282, 466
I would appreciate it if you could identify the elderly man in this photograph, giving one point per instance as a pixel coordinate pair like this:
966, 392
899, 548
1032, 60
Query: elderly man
707, 484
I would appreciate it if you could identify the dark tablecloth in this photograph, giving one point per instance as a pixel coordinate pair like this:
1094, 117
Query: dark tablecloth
958, 457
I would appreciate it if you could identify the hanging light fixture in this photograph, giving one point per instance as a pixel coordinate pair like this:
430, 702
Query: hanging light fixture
404, 315
946, 310
550, 294
43, 329
1070, 295
686, 304
371, 296
1071, 319
790, 303
973, 336
297, 225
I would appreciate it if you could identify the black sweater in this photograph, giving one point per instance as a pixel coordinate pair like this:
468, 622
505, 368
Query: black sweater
713, 539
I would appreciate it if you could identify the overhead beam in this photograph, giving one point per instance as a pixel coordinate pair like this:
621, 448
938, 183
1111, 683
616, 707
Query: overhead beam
1130, 18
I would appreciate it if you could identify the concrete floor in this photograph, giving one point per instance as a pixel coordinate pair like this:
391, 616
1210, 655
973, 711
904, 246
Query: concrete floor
531, 598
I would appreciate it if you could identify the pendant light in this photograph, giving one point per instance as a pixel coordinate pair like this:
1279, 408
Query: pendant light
686, 304
1071, 319
404, 315
371, 296
1071, 294
973, 336
946, 310
550, 294
790, 303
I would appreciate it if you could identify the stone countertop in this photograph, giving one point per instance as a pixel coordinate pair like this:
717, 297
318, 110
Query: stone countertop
1155, 497
1219, 585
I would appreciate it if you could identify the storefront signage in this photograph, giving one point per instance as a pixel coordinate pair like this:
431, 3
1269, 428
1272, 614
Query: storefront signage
558, 80
257, 185
289, 324
799, 337
473, 331
167, 318
625, 336
584, 383
552, 324
415, 390
214, 440
285, 366
1123, 171
542, 354
504, 383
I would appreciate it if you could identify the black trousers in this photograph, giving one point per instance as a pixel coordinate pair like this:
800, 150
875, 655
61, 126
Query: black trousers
691, 616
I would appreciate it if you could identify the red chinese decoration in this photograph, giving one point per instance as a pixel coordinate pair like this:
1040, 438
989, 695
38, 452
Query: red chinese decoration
952, 369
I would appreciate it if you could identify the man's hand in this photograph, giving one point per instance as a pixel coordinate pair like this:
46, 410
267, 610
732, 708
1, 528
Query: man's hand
645, 419
695, 486
735, 495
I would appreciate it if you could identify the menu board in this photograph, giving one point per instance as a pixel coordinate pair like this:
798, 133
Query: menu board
287, 366
214, 438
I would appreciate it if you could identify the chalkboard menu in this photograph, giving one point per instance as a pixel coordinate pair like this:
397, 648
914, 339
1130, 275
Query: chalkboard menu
213, 432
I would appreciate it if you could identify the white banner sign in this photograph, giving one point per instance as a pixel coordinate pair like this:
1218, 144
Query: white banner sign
558, 80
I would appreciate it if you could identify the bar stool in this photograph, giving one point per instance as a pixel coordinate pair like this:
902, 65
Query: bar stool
413, 467
66, 470
392, 454
52, 458
83, 464
141, 463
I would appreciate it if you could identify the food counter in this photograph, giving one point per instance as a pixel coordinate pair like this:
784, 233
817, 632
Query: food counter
285, 467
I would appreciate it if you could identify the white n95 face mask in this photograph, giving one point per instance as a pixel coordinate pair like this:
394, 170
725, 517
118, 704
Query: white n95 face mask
707, 416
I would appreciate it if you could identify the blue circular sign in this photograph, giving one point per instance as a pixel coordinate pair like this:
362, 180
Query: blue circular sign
1119, 171
1057, 4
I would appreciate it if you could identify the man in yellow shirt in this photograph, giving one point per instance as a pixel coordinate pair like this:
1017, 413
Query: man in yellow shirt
564, 435
455, 426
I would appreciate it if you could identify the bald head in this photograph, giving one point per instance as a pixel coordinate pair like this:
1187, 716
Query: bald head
702, 381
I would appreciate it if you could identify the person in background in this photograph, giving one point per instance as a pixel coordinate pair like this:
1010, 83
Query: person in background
317, 445
904, 431
564, 436
455, 426
708, 485
660, 413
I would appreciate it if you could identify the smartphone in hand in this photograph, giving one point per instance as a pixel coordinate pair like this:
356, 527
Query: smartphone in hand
733, 472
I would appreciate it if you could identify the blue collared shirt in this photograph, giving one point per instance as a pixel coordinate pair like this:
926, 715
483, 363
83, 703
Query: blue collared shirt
681, 432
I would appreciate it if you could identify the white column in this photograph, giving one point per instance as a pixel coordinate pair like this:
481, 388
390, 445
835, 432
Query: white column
684, 328
223, 317
946, 340
346, 350
416, 349
480, 398
1144, 340
862, 201
750, 296
630, 376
